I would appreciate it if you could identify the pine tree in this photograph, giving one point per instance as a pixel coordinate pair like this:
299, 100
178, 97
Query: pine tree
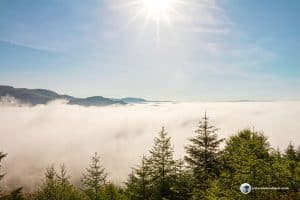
62, 177
247, 160
290, 152
57, 187
203, 155
47, 190
298, 154
2, 155
293, 166
138, 182
161, 166
94, 178
16, 194
112, 192
279, 170
182, 182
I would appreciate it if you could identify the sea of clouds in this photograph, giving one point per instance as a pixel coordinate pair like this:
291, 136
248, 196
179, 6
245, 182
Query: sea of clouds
36, 137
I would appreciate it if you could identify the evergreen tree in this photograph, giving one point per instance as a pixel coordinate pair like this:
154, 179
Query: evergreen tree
94, 178
112, 192
279, 174
291, 152
2, 155
182, 182
57, 187
298, 153
279, 166
138, 183
62, 177
247, 160
47, 190
161, 166
293, 166
203, 155
214, 191
16, 194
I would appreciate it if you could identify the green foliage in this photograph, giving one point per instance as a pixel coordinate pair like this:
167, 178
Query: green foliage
248, 158
2, 155
161, 165
159, 176
291, 153
203, 155
182, 182
298, 154
57, 187
279, 172
213, 191
94, 179
112, 192
138, 183
293, 166
16, 194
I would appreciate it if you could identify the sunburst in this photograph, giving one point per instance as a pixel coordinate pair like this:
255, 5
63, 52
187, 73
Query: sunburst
158, 9
159, 12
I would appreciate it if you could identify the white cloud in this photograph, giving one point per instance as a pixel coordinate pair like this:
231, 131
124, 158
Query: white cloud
35, 137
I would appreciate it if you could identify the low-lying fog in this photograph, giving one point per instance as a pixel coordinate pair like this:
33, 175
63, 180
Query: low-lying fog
36, 137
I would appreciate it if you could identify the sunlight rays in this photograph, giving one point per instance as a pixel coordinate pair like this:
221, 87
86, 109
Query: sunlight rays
163, 17
158, 9
155, 12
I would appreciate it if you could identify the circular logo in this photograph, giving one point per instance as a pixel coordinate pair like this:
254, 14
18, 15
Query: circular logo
245, 188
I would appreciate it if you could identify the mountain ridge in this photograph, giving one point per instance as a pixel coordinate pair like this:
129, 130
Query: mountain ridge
43, 96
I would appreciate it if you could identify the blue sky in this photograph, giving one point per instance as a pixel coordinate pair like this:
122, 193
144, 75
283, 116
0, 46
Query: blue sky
207, 50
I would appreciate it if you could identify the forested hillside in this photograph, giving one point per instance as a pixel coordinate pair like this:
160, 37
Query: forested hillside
213, 168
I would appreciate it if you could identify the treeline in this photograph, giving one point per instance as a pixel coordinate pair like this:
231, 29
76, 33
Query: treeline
212, 169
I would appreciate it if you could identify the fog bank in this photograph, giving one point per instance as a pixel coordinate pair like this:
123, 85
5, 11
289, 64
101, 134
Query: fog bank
36, 137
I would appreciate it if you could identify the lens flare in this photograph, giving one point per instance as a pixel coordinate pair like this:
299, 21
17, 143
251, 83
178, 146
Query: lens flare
157, 9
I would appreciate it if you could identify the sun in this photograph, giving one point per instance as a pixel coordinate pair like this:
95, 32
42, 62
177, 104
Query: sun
157, 9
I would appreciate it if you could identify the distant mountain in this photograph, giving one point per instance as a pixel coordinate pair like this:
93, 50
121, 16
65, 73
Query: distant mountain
41, 96
95, 101
133, 100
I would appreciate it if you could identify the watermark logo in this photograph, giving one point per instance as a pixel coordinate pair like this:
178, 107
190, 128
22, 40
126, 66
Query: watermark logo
245, 188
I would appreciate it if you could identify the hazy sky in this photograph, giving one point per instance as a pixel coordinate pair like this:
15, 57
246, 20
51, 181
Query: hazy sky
195, 50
